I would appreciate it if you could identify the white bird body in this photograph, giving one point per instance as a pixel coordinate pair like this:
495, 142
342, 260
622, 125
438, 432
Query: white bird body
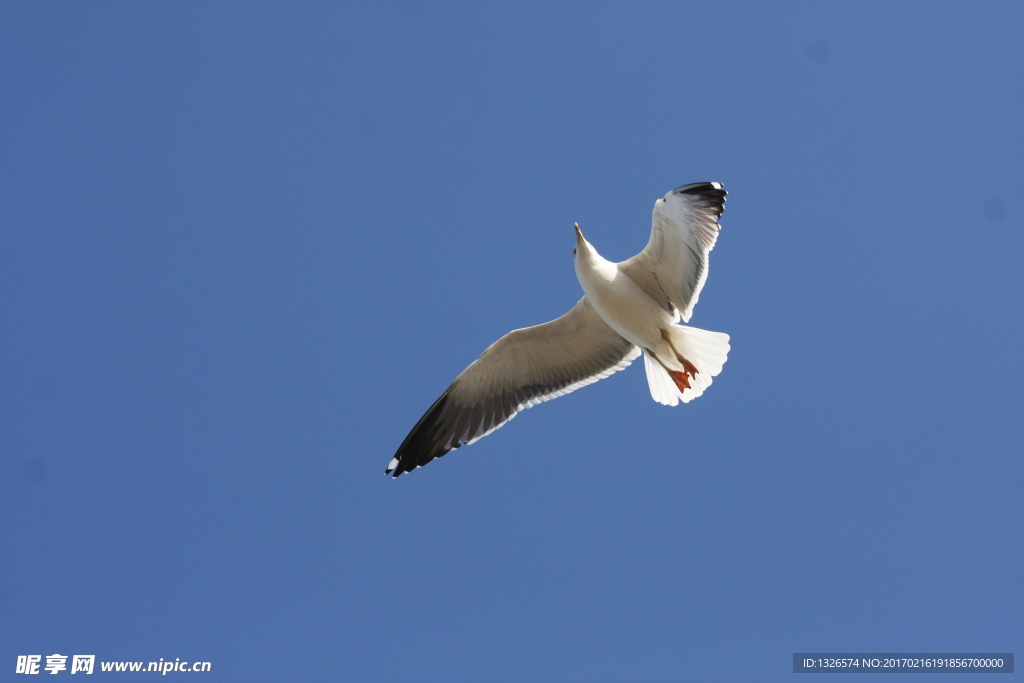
627, 308
620, 302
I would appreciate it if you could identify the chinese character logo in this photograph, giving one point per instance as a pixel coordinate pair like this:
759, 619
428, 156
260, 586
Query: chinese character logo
82, 663
55, 663
28, 664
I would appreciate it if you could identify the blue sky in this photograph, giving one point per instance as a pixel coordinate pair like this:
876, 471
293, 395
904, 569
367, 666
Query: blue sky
244, 246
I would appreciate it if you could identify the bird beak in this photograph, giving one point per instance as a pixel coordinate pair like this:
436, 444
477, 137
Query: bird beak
579, 235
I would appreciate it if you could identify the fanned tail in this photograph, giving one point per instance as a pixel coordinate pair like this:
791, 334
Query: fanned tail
690, 359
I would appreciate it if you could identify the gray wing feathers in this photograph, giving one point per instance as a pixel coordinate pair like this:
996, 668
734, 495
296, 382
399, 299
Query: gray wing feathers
520, 370
673, 266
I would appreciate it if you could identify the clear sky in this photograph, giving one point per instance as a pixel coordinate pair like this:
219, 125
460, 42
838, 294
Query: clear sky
244, 246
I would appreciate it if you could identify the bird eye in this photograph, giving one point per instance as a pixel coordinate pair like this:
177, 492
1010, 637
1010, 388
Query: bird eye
573, 252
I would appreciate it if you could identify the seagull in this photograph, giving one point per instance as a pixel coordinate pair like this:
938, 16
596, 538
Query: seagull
627, 308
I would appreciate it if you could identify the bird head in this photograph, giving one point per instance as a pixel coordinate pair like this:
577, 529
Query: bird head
582, 246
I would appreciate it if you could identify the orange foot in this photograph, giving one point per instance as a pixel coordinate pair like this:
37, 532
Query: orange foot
682, 379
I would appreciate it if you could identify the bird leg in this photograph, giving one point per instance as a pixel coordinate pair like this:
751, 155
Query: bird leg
681, 379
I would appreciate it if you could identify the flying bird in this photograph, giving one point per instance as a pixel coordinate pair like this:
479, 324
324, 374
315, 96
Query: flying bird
627, 309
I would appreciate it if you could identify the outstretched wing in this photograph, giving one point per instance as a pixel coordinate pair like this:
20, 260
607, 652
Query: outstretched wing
673, 266
520, 370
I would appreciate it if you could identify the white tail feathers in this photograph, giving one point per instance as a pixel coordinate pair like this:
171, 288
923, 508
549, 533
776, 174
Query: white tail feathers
685, 364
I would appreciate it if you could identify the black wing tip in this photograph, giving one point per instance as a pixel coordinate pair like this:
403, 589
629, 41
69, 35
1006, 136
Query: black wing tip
399, 469
420, 446
702, 189
708, 195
